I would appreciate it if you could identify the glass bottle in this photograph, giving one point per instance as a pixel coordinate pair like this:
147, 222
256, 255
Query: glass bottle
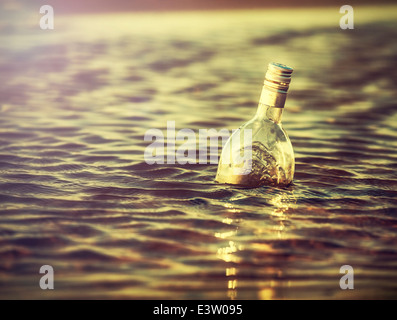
260, 152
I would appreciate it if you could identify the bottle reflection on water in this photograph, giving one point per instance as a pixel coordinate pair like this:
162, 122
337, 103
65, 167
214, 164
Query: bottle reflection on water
238, 252
271, 157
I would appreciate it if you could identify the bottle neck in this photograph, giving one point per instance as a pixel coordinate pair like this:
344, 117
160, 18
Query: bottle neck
271, 105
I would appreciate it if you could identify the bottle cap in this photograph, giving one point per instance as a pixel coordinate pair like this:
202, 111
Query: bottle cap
278, 77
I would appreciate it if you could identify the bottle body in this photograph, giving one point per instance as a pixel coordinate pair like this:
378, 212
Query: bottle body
272, 160
272, 163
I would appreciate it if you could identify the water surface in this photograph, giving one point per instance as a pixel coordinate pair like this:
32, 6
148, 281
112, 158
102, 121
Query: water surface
76, 193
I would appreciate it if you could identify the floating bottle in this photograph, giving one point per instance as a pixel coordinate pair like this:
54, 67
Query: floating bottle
260, 152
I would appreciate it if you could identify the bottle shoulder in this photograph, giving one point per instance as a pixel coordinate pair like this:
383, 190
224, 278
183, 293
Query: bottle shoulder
265, 127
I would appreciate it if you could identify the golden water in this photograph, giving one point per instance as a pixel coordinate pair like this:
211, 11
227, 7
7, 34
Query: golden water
75, 192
